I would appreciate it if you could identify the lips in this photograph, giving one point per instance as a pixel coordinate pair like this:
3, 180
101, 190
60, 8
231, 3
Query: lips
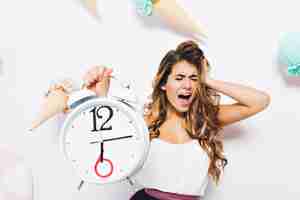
184, 99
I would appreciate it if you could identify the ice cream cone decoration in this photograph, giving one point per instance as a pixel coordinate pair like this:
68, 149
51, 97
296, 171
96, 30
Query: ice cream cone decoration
173, 15
178, 19
55, 102
91, 6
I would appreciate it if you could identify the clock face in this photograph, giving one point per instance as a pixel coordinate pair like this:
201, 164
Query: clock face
104, 141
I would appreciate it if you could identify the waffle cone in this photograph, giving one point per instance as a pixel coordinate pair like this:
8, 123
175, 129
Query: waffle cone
178, 19
55, 102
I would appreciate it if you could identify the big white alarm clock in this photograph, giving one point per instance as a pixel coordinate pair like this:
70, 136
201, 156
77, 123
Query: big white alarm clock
105, 139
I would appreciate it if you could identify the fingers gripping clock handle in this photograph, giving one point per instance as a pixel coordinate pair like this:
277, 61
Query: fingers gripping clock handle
130, 97
98, 84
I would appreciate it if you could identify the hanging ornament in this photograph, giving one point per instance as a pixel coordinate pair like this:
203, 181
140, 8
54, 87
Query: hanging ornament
173, 15
289, 52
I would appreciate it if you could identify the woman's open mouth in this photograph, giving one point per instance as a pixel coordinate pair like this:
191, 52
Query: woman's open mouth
184, 99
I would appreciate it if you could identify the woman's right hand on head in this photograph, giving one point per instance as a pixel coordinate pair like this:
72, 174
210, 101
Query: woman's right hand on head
97, 79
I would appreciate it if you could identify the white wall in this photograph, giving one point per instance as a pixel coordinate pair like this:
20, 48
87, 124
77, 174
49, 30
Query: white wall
57, 38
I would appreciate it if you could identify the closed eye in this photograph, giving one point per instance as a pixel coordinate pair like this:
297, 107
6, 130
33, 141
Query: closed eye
179, 77
194, 77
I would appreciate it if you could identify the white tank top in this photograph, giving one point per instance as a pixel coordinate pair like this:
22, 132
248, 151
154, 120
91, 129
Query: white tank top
175, 168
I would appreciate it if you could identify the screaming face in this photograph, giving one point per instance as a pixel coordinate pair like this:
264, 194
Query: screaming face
180, 86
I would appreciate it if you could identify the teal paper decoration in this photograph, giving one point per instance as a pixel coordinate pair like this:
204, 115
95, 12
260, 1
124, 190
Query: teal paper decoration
144, 7
289, 52
294, 70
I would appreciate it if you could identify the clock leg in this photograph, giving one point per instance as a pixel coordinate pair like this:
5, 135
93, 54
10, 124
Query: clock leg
80, 185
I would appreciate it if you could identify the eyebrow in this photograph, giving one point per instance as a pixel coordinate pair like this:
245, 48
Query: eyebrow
182, 76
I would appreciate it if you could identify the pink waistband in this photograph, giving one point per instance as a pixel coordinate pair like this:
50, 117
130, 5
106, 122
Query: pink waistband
169, 196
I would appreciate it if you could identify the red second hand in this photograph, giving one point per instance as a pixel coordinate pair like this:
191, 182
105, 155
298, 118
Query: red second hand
100, 160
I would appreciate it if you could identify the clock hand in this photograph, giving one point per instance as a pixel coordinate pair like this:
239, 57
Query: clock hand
117, 138
98, 141
95, 142
111, 139
102, 151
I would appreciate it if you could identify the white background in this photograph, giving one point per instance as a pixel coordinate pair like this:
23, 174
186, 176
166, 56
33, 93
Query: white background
46, 40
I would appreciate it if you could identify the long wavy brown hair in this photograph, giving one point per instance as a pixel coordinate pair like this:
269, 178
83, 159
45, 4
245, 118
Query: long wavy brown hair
201, 118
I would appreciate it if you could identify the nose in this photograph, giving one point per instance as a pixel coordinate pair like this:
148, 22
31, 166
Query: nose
187, 84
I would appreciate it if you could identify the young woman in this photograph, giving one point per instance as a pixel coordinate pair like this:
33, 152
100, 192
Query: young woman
184, 120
